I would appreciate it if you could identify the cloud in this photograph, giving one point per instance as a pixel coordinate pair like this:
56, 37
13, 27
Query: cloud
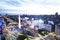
53, 2
30, 6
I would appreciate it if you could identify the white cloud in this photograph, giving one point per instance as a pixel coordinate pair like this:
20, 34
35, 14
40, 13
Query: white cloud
38, 1
31, 7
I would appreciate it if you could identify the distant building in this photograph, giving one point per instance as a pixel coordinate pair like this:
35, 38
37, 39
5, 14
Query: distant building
57, 29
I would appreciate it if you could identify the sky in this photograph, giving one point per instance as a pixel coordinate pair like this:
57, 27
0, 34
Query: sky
30, 7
